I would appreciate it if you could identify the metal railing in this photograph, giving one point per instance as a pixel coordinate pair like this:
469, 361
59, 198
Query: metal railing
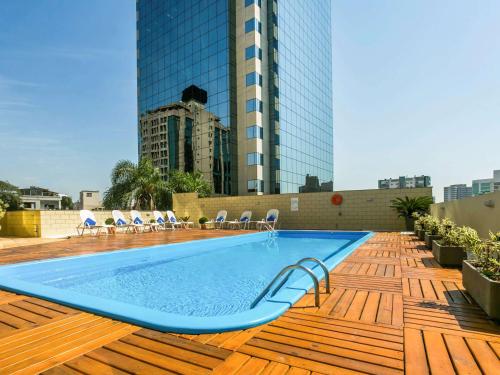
316, 260
285, 270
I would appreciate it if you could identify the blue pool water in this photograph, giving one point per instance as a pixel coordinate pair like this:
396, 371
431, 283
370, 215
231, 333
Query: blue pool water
197, 286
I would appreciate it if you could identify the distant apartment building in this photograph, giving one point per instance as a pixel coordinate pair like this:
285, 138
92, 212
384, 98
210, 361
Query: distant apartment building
486, 185
405, 182
36, 198
458, 191
184, 136
90, 200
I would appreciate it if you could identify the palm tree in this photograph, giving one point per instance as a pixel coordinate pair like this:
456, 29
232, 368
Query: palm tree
185, 182
405, 207
134, 185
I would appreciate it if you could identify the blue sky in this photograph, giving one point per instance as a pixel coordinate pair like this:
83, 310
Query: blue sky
416, 91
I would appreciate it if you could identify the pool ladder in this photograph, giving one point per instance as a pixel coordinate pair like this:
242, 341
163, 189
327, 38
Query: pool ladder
288, 270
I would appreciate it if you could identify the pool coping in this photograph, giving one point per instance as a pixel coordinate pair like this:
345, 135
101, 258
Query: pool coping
266, 311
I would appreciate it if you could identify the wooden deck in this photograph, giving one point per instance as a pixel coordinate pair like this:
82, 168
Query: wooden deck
392, 309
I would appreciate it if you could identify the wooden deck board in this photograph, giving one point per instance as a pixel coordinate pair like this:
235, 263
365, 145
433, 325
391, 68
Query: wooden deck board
392, 309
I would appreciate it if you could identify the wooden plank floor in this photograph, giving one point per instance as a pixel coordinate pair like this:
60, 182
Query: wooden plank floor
392, 309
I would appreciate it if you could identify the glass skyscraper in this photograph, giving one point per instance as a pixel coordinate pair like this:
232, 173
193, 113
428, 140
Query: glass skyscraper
267, 68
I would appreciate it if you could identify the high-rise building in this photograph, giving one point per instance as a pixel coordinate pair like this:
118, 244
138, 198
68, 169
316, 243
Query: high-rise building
486, 185
405, 182
458, 191
184, 136
267, 68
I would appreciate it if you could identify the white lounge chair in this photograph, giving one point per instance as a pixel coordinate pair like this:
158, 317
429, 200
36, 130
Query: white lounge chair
137, 219
244, 220
270, 220
172, 220
89, 222
121, 222
162, 223
219, 219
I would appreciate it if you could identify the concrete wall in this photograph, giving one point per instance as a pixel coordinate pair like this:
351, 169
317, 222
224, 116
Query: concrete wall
361, 209
472, 212
49, 224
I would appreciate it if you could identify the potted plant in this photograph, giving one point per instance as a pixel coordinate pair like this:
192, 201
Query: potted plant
203, 222
431, 231
405, 207
420, 224
109, 221
450, 250
481, 275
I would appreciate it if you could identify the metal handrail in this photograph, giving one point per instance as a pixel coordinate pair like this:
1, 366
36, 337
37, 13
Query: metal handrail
319, 262
284, 271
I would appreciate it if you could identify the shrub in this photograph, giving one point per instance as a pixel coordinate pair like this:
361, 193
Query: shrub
109, 221
432, 225
446, 226
203, 220
3, 208
487, 257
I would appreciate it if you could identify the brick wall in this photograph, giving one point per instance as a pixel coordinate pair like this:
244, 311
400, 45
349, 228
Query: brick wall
20, 224
360, 210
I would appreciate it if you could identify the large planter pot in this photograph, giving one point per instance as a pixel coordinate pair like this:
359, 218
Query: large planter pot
429, 238
421, 235
448, 256
203, 226
410, 223
485, 291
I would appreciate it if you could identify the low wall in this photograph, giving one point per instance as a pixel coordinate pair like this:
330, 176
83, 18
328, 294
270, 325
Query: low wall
360, 210
20, 224
481, 213
49, 224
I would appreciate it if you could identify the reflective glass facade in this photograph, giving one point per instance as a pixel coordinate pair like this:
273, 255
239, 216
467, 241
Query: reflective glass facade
183, 43
301, 75
267, 68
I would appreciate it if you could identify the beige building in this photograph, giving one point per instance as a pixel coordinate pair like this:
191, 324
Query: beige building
36, 198
184, 136
90, 200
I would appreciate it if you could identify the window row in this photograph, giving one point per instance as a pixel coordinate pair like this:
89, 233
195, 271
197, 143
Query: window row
255, 131
253, 51
255, 186
254, 105
253, 25
251, 2
253, 79
255, 158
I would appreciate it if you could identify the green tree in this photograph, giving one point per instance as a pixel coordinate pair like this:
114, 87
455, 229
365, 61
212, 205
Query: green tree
67, 203
406, 207
3, 208
10, 195
134, 185
186, 182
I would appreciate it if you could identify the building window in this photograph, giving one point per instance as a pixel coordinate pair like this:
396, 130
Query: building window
255, 186
253, 51
89, 195
254, 105
252, 25
253, 78
255, 131
252, 2
255, 158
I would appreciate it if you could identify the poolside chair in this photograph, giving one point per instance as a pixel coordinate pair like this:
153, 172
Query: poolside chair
219, 219
121, 222
178, 223
244, 220
162, 223
270, 221
137, 219
89, 222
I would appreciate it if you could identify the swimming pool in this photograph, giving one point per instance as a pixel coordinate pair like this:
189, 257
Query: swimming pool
191, 287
